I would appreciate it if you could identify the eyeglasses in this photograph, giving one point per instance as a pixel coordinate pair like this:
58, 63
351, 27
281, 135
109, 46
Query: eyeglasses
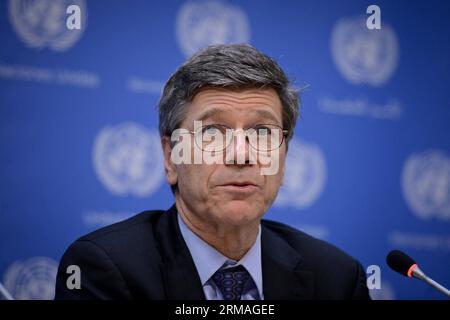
218, 137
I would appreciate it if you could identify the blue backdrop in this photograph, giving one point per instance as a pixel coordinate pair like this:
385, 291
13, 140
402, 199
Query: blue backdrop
368, 169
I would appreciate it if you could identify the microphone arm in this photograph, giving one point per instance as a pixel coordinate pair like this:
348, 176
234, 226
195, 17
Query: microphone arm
4, 293
417, 273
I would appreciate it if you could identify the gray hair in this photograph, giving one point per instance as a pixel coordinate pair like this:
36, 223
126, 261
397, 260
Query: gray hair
226, 66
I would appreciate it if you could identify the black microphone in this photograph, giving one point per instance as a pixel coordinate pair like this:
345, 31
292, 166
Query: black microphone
405, 265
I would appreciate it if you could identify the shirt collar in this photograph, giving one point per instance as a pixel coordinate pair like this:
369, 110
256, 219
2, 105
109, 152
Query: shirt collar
208, 260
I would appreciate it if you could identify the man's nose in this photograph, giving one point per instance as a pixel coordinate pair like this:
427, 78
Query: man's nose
240, 148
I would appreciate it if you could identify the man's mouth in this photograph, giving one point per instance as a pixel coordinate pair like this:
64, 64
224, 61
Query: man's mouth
240, 186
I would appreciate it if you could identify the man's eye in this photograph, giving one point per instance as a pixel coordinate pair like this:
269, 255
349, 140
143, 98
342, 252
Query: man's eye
211, 130
262, 130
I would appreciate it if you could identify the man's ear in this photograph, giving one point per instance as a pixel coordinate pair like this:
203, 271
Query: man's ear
169, 166
283, 169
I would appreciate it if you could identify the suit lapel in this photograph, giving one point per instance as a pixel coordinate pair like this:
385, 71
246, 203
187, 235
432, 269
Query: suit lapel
180, 276
283, 277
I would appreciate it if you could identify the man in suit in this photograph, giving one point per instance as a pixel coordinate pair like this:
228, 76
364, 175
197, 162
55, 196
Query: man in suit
225, 117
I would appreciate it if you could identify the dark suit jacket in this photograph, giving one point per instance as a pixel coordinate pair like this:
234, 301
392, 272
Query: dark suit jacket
145, 257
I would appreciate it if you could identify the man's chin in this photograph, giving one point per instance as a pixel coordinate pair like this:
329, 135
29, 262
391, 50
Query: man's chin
238, 212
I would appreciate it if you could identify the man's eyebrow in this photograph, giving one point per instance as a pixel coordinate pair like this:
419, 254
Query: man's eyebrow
266, 114
208, 114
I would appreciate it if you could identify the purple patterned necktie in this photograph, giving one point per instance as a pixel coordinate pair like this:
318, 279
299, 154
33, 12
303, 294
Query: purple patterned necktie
231, 281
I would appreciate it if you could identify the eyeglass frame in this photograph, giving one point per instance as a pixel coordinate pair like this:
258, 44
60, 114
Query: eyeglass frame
284, 132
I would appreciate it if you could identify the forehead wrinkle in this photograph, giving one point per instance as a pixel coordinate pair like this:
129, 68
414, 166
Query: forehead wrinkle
223, 112
234, 101
221, 104
231, 96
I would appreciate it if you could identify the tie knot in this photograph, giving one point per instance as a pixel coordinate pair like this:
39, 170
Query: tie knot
231, 281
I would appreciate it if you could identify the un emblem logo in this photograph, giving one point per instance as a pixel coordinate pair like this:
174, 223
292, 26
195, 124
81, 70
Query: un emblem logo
42, 23
426, 184
203, 23
128, 159
32, 279
305, 175
364, 56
